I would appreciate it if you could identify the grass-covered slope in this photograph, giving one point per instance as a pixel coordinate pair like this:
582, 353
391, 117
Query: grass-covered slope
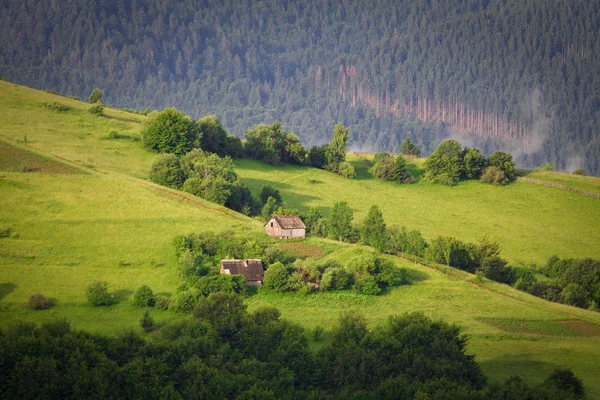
97, 219
531, 222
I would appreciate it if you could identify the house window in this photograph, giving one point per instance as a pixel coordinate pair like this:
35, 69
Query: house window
271, 224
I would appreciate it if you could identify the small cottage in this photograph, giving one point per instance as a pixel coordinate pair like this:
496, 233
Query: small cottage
251, 270
286, 227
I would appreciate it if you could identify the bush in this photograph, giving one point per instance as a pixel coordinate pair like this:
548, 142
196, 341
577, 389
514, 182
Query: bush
147, 322
494, 175
166, 170
546, 167
445, 164
276, 278
317, 333
579, 171
97, 109
346, 170
96, 96
56, 106
38, 301
504, 162
74, 98
184, 301
171, 131
474, 163
5, 232
97, 293
573, 294
408, 148
368, 286
161, 302
144, 297
113, 134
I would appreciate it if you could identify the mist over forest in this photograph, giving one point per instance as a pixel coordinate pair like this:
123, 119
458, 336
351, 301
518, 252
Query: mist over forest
518, 76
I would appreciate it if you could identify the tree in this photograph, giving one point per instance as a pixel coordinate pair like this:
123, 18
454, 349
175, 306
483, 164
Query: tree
373, 231
97, 293
346, 170
96, 109
574, 295
147, 322
96, 96
37, 301
504, 162
171, 131
317, 156
312, 219
269, 191
408, 148
336, 150
474, 163
339, 222
213, 136
269, 208
143, 297
276, 277
565, 381
494, 175
445, 164
224, 311
166, 170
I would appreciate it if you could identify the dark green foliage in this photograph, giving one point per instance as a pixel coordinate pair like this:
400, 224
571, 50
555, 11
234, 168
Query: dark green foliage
147, 322
317, 333
144, 297
166, 170
97, 293
373, 231
162, 303
575, 295
5, 233
494, 175
37, 301
474, 163
234, 147
445, 165
269, 191
272, 145
318, 156
312, 219
452, 252
223, 311
577, 280
494, 268
336, 279
96, 96
97, 109
579, 171
221, 283
56, 106
269, 208
504, 162
367, 285
389, 168
408, 148
566, 383
170, 131
339, 222
213, 136
546, 167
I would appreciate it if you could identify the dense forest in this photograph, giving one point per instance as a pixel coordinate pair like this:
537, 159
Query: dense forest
517, 76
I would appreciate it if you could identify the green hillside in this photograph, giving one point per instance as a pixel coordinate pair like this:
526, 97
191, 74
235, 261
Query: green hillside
85, 211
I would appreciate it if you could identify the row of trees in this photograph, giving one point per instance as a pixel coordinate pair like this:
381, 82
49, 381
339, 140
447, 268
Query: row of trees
450, 163
228, 352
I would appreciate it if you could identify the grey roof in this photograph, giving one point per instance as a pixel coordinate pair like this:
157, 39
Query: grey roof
252, 270
289, 222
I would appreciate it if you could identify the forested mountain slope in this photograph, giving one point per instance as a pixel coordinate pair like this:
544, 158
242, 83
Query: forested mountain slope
523, 76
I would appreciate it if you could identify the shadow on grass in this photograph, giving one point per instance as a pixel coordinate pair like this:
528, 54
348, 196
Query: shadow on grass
416, 276
293, 200
6, 289
521, 366
120, 295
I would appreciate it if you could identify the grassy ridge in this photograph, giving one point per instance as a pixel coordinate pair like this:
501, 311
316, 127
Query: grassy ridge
69, 229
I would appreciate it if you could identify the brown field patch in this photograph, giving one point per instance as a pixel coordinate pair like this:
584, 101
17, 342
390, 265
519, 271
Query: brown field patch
583, 327
302, 250
14, 159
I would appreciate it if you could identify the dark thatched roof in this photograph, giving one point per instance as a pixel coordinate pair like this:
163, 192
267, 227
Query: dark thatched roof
289, 222
252, 270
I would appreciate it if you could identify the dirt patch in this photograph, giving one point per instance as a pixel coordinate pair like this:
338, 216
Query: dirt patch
14, 159
302, 250
585, 328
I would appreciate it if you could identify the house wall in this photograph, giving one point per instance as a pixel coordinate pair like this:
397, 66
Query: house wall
274, 230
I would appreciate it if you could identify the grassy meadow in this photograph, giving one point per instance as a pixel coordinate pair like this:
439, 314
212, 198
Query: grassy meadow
85, 211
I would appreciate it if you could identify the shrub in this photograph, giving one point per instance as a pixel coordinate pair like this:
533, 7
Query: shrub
184, 301
504, 162
474, 163
166, 170
317, 156
5, 232
494, 175
346, 170
51, 92
317, 333
113, 134
161, 302
368, 286
574, 295
579, 171
74, 98
276, 278
38, 301
56, 106
408, 148
171, 131
445, 164
147, 322
97, 109
96, 96
97, 293
335, 279
144, 297
546, 167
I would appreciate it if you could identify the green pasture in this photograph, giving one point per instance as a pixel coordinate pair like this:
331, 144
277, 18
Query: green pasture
104, 222
531, 222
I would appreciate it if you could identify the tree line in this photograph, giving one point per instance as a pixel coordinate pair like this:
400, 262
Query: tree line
519, 76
